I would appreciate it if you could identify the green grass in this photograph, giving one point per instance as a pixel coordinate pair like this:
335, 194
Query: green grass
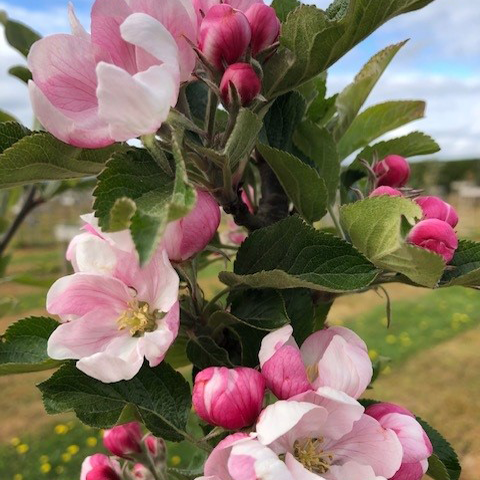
418, 324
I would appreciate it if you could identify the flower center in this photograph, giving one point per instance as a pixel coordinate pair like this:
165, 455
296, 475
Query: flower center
138, 319
310, 454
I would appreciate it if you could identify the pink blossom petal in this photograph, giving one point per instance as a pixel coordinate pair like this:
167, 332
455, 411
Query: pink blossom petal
84, 336
369, 444
411, 471
76, 26
120, 361
81, 293
154, 345
343, 411
250, 460
352, 471
274, 341
344, 367
121, 240
285, 373
284, 422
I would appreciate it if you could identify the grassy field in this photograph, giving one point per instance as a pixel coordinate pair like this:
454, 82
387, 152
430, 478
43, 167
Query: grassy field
445, 322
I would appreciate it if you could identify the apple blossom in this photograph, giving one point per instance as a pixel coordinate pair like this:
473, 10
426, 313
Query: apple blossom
91, 90
140, 472
228, 398
100, 467
389, 191
224, 35
434, 207
392, 171
113, 311
202, 7
245, 80
292, 442
335, 357
435, 235
417, 447
124, 440
265, 26
189, 235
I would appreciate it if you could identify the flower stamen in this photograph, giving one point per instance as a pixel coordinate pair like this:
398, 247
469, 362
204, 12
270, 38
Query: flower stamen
137, 319
311, 455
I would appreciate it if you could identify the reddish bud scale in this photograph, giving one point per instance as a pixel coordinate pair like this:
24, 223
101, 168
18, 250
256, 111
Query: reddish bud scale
435, 235
224, 36
265, 26
244, 79
392, 171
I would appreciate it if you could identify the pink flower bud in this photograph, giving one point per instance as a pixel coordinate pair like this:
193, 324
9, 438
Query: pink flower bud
243, 77
435, 235
265, 26
224, 35
389, 191
140, 472
434, 207
229, 398
124, 440
188, 236
392, 171
100, 467
416, 445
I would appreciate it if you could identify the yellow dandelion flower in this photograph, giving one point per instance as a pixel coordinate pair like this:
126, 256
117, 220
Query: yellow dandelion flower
23, 448
391, 339
15, 441
18, 476
91, 441
373, 354
45, 468
73, 449
44, 459
175, 461
61, 429
66, 457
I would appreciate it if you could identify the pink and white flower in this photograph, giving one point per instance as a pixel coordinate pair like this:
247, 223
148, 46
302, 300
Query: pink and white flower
294, 441
334, 357
417, 447
114, 312
229, 398
120, 81
100, 467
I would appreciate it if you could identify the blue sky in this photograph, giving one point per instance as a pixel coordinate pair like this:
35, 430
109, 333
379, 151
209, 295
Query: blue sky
440, 64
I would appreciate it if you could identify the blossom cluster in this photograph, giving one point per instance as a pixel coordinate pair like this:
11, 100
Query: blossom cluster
435, 231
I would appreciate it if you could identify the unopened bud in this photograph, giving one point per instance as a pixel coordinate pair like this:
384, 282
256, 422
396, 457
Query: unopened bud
224, 35
434, 207
265, 26
435, 235
243, 78
388, 191
100, 467
124, 440
392, 171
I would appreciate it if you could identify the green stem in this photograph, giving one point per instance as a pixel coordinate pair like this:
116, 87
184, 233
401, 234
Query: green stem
151, 144
197, 442
335, 221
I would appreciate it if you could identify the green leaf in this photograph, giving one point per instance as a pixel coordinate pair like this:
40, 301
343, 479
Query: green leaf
284, 7
244, 136
436, 469
6, 117
300, 310
21, 72
23, 347
444, 451
374, 226
197, 96
302, 183
158, 198
415, 143
18, 35
260, 309
314, 40
291, 254
350, 100
464, 269
41, 157
10, 133
161, 395
376, 121
318, 145
203, 352
282, 119
122, 213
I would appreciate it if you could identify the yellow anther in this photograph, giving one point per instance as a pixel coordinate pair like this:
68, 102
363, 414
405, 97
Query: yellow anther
137, 319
